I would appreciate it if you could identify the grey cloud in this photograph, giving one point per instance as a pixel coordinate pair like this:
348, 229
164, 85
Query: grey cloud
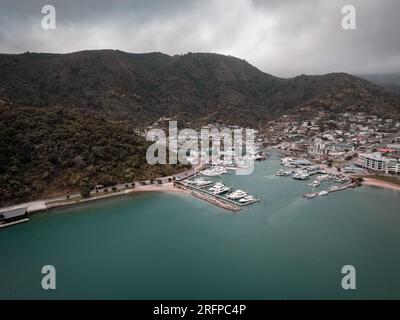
284, 38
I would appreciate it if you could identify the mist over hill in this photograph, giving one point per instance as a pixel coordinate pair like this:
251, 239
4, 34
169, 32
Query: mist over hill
387, 80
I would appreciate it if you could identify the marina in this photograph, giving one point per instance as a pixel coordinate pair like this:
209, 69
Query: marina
216, 195
308, 169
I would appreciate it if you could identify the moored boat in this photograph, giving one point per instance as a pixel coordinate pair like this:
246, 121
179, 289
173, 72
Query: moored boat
310, 195
236, 195
247, 199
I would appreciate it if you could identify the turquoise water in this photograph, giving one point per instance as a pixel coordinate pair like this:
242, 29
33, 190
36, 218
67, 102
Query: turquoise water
166, 246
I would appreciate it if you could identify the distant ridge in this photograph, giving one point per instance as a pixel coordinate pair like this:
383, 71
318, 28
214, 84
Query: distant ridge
387, 80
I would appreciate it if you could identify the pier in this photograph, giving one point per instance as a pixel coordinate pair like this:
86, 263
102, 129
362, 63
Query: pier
342, 188
217, 200
345, 187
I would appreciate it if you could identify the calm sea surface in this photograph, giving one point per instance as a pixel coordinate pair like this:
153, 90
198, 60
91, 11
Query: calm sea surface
166, 246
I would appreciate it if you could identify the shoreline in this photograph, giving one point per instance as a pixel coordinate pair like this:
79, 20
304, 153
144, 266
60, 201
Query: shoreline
168, 188
164, 188
371, 182
39, 206
43, 206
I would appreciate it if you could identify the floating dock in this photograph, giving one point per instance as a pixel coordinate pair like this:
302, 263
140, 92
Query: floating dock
348, 186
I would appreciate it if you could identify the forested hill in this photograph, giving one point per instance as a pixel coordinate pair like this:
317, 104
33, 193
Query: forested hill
196, 88
68, 120
55, 151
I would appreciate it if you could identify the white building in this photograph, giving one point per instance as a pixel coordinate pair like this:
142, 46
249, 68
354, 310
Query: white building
320, 147
375, 161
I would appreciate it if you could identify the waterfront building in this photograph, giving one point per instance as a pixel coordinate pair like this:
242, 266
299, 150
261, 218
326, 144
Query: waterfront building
377, 162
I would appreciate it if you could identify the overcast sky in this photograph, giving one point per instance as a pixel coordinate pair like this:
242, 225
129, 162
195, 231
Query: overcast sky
281, 37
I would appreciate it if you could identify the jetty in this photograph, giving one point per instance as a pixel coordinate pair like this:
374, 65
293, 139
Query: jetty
331, 190
215, 199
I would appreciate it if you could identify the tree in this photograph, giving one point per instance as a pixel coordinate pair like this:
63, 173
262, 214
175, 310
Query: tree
85, 192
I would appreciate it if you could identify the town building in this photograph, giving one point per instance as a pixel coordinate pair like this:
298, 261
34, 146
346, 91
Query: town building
377, 162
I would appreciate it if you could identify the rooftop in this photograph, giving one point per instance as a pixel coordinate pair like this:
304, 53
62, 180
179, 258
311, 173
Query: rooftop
13, 213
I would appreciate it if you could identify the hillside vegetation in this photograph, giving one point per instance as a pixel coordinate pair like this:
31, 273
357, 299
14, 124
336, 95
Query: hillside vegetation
46, 152
196, 88
67, 120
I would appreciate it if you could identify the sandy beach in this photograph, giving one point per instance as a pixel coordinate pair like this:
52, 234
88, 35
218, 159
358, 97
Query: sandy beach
64, 201
167, 187
380, 183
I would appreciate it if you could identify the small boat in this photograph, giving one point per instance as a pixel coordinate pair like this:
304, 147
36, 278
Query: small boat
323, 193
280, 173
310, 195
259, 157
314, 184
333, 188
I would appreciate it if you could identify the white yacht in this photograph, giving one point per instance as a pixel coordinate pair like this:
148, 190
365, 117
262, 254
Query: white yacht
323, 178
287, 162
214, 172
323, 193
236, 195
201, 183
310, 195
247, 199
219, 188
314, 184
301, 175
283, 173
280, 173
342, 180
